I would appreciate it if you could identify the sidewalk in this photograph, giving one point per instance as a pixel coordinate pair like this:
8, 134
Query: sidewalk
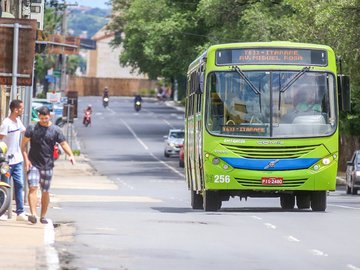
30, 246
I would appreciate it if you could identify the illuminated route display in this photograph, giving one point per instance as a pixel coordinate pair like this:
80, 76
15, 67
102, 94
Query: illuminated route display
271, 56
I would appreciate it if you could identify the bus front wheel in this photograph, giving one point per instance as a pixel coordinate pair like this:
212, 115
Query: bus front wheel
196, 200
318, 200
211, 200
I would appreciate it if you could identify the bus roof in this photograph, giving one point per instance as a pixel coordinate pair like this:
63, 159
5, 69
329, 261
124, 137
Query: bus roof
270, 44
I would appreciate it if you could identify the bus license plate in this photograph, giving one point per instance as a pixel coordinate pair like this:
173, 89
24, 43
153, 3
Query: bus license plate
272, 180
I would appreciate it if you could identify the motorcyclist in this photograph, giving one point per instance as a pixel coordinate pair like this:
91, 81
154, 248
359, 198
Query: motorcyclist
137, 98
106, 92
89, 110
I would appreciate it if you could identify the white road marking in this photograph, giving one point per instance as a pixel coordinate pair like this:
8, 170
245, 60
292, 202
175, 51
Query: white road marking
167, 181
292, 239
52, 258
147, 148
168, 123
167, 165
343, 206
352, 267
134, 134
317, 252
256, 217
270, 226
104, 199
122, 182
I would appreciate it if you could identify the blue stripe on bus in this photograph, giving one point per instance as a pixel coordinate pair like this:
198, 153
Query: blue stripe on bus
263, 164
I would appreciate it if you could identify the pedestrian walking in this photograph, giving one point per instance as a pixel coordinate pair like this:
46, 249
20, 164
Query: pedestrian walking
10, 132
39, 162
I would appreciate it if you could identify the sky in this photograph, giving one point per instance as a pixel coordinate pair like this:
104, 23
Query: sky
90, 3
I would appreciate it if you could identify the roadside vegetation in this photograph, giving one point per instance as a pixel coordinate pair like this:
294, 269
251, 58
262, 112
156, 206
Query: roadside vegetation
162, 37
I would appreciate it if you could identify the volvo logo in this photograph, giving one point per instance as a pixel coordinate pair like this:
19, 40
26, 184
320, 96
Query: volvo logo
271, 164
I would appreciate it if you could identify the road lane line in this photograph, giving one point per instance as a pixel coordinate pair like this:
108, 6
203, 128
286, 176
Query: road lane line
167, 165
292, 239
147, 148
352, 267
344, 206
168, 123
270, 226
256, 217
134, 134
317, 252
122, 182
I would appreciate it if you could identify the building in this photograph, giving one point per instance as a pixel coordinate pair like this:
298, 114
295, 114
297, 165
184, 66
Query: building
104, 61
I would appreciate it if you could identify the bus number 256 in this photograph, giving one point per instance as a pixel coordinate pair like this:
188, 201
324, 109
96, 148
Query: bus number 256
219, 179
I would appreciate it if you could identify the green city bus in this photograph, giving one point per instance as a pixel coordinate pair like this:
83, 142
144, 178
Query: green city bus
261, 120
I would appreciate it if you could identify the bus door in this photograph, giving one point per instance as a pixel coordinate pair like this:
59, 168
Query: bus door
198, 141
198, 112
191, 145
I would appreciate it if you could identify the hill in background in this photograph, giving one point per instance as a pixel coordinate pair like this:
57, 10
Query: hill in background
86, 21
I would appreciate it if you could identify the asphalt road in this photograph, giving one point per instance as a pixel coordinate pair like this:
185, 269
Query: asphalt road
147, 222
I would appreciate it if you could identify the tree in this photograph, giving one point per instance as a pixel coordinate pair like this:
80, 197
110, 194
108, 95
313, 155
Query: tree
160, 35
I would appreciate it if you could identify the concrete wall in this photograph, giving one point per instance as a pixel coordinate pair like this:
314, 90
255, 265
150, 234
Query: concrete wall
104, 62
91, 86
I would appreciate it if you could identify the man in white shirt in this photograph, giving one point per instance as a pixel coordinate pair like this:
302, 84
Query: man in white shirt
10, 133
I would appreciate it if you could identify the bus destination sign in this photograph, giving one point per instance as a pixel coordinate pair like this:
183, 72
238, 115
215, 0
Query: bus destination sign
271, 56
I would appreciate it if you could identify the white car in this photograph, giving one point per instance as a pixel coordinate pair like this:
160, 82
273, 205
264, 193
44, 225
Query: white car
173, 141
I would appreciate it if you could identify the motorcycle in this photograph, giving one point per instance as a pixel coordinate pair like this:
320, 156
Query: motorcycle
137, 105
105, 102
5, 189
87, 118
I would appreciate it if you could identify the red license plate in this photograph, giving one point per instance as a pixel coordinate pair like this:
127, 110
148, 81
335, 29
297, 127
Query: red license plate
272, 180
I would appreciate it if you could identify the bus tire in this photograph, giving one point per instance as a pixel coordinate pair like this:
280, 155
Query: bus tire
211, 201
287, 201
318, 200
196, 200
303, 201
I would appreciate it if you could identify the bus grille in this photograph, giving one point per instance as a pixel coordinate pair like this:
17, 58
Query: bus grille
257, 183
270, 151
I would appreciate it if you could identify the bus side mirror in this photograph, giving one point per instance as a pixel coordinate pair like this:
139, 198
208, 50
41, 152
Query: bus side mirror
344, 93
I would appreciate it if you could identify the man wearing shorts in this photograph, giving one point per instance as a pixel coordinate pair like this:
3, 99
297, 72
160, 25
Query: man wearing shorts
10, 132
39, 162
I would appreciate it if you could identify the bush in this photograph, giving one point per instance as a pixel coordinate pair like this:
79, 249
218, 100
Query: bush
147, 92
76, 152
41, 95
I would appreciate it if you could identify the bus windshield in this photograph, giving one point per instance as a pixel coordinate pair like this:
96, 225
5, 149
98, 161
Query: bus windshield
271, 104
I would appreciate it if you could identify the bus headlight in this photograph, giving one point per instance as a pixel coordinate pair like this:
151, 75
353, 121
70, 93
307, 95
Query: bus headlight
316, 167
326, 161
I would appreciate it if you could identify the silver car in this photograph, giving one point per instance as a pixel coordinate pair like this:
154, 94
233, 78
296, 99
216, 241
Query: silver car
353, 174
173, 141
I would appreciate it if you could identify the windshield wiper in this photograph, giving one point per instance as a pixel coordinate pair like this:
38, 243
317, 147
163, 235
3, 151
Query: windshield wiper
252, 86
291, 82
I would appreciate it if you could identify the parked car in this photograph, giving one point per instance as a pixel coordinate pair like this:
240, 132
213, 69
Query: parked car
56, 109
173, 140
353, 174
181, 156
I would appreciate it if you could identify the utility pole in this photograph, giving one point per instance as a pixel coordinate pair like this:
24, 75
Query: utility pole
63, 56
